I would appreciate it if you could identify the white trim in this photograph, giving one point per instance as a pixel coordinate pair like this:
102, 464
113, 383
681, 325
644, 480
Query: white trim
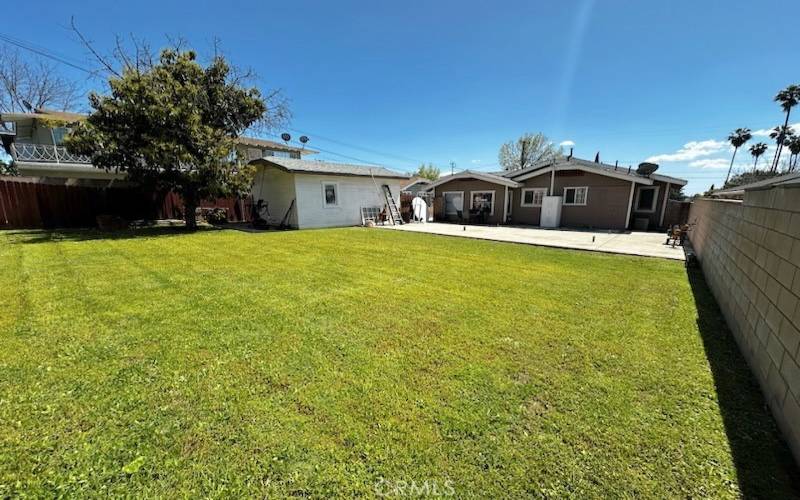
668, 179
585, 196
533, 204
444, 201
630, 206
418, 181
664, 206
494, 198
325, 203
482, 176
652, 208
592, 170
505, 206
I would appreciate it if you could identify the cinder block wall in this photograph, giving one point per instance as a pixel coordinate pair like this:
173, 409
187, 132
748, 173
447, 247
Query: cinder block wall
750, 254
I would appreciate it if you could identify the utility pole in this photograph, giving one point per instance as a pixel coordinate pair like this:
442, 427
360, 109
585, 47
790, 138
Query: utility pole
452, 167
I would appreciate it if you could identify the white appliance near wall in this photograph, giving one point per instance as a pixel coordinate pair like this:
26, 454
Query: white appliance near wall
551, 211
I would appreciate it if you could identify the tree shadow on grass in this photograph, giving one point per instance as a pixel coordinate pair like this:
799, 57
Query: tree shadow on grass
56, 235
765, 467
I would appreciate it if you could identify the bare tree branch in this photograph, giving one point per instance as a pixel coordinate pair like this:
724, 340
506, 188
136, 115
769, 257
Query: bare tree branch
102, 60
33, 81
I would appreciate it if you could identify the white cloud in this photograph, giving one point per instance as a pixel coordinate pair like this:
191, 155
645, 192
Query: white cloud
566, 144
475, 162
764, 132
690, 151
711, 163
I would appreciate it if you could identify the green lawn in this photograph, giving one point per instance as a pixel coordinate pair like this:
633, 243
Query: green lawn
358, 361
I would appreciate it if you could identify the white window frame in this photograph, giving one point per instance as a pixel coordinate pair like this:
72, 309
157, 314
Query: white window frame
534, 190
494, 198
325, 203
444, 201
652, 209
585, 196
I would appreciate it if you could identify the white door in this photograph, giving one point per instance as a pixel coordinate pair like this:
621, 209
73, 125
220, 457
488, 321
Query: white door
551, 211
453, 202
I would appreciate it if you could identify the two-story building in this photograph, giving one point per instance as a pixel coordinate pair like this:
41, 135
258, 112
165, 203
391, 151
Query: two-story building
34, 142
310, 193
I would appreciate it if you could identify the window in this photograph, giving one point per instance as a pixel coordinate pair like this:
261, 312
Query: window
575, 195
482, 201
330, 194
646, 199
453, 202
253, 154
58, 135
533, 197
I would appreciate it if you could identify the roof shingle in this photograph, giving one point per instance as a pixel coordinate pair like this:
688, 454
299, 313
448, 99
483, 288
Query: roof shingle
327, 168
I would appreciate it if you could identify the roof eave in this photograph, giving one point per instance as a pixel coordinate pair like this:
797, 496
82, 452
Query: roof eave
474, 175
592, 170
269, 163
668, 179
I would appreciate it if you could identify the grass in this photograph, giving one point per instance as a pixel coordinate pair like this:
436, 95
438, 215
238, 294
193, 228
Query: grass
355, 361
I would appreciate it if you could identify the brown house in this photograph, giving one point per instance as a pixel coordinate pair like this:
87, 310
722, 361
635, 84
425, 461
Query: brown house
568, 192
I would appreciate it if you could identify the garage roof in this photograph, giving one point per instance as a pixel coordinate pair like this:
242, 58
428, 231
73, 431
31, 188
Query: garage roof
296, 166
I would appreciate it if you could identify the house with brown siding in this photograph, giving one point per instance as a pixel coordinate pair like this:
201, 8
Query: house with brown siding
576, 193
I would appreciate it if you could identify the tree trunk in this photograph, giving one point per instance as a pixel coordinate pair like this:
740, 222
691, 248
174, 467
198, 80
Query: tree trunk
190, 210
780, 144
755, 164
731, 167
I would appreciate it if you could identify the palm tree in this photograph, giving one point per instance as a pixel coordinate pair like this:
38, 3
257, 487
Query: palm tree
779, 134
788, 98
793, 143
757, 150
737, 139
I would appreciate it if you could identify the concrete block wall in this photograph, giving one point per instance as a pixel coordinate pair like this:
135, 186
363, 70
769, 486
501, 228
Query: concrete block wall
750, 255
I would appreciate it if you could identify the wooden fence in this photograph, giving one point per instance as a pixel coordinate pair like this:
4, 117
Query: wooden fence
27, 203
677, 212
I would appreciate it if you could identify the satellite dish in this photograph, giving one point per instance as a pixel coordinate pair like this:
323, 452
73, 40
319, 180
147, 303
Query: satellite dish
304, 139
286, 137
646, 168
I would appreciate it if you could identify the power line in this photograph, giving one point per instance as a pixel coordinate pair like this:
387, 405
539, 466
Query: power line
361, 148
42, 52
354, 158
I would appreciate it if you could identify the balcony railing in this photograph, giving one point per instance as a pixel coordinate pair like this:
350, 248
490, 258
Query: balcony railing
45, 153
8, 128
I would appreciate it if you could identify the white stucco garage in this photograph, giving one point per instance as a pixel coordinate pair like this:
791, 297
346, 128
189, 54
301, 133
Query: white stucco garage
325, 194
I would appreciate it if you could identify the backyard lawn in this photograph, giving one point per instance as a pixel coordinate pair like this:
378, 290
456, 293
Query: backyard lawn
363, 361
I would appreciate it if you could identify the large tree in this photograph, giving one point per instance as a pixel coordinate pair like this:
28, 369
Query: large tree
793, 143
526, 151
172, 125
756, 150
780, 133
427, 172
787, 98
737, 139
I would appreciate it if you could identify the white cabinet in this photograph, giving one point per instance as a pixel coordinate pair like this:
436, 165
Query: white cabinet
551, 211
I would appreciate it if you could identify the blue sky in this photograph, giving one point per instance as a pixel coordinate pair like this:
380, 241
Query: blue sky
397, 83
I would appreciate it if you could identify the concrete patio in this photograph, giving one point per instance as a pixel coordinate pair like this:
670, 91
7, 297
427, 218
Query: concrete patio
631, 243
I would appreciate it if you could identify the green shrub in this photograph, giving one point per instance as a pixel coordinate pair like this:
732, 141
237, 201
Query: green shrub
217, 216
